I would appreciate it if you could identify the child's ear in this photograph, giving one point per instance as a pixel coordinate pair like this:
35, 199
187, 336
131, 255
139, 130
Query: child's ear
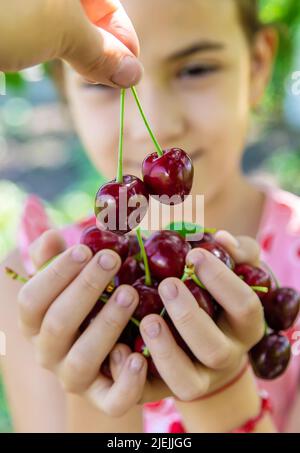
263, 52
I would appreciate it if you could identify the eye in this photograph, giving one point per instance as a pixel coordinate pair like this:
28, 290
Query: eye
197, 71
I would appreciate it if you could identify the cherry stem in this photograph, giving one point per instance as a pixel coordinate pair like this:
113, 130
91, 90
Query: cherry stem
189, 273
121, 139
157, 146
162, 313
261, 289
15, 276
148, 279
146, 352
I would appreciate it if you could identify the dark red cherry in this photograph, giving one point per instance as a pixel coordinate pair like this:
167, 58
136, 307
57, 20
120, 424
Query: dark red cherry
98, 240
120, 207
169, 175
149, 299
129, 335
166, 252
254, 276
271, 356
130, 271
206, 237
204, 299
133, 243
282, 308
219, 252
139, 346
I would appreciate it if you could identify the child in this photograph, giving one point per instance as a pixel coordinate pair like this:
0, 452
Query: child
207, 64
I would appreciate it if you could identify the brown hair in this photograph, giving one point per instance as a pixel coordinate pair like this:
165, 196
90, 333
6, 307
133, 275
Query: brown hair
249, 15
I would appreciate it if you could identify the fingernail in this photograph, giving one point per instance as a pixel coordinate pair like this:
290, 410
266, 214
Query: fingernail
196, 258
152, 330
80, 254
107, 261
227, 238
124, 298
168, 290
136, 364
128, 73
116, 356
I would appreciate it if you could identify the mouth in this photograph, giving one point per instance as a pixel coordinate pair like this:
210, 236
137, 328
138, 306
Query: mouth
137, 164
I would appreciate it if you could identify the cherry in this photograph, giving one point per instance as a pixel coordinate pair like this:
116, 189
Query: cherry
206, 237
219, 252
129, 334
121, 206
170, 174
149, 299
204, 299
133, 243
166, 252
271, 356
255, 277
130, 271
281, 308
98, 240
139, 346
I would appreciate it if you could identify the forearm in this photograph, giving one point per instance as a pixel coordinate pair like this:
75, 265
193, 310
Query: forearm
227, 410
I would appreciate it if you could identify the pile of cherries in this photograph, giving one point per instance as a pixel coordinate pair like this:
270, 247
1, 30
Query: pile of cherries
145, 263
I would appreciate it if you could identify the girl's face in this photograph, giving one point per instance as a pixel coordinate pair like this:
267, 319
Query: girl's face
201, 80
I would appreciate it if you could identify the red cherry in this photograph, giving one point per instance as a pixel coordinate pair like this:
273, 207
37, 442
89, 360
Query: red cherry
130, 271
149, 299
271, 356
219, 252
254, 276
166, 252
98, 240
170, 174
282, 308
134, 248
116, 204
207, 237
204, 299
139, 346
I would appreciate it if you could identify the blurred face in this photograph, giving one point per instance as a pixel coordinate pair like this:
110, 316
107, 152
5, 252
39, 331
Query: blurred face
197, 92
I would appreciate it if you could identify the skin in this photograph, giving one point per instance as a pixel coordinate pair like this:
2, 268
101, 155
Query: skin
209, 116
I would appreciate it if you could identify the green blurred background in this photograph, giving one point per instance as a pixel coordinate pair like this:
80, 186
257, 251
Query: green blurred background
40, 154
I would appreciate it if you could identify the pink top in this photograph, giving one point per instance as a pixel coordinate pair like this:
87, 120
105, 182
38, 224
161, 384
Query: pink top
279, 237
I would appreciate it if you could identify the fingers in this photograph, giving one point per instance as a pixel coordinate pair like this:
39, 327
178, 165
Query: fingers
214, 349
117, 358
82, 363
113, 18
97, 54
185, 383
47, 246
242, 306
37, 295
115, 400
243, 249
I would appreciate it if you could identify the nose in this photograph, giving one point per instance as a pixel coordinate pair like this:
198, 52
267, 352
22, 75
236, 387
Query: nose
164, 114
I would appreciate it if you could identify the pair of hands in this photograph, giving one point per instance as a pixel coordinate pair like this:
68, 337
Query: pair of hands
95, 36
53, 304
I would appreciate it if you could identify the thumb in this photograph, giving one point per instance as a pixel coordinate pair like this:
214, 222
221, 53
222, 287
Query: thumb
46, 247
101, 53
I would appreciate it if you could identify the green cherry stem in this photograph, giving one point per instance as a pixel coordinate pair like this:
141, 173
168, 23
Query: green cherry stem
15, 276
148, 279
121, 139
189, 273
157, 146
261, 289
